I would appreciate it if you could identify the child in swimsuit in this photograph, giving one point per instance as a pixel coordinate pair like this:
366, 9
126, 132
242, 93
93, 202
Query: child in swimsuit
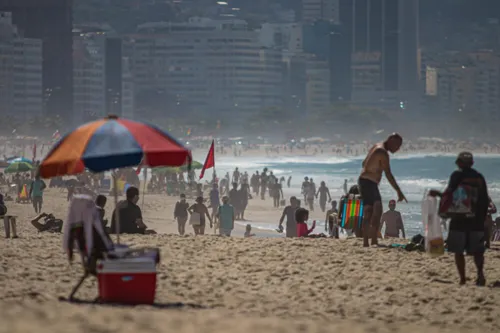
248, 231
301, 216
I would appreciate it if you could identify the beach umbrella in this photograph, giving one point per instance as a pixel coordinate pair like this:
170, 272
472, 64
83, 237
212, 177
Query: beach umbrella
112, 143
20, 159
195, 165
18, 167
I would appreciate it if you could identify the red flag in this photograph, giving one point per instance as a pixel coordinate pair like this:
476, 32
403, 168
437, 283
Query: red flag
209, 161
138, 170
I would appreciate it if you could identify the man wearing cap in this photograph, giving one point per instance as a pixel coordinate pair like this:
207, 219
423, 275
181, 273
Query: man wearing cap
374, 165
466, 233
393, 222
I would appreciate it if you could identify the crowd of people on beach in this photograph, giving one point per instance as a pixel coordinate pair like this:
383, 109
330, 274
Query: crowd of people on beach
220, 202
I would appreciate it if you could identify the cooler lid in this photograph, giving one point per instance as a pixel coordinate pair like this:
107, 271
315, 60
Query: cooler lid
128, 265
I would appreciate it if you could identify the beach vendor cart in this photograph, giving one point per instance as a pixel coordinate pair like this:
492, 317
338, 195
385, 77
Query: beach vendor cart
125, 275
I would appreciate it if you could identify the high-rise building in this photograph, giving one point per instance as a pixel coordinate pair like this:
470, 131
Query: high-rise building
20, 72
127, 91
331, 42
320, 10
387, 30
204, 65
51, 22
89, 69
114, 75
469, 85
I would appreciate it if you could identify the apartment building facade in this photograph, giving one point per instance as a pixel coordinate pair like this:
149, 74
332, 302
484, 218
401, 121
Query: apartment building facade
21, 91
215, 66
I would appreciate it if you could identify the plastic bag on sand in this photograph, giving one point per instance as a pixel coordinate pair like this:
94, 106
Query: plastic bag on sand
434, 242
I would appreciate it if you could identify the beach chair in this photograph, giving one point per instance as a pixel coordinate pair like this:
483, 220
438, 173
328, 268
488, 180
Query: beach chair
83, 229
23, 195
352, 213
88, 259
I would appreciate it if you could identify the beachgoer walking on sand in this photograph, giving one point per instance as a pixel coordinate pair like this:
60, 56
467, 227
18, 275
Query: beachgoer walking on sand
181, 214
214, 200
323, 192
255, 182
236, 176
305, 188
264, 179
376, 163
235, 200
226, 216
289, 181
244, 194
466, 234
393, 222
36, 193
345, 186
276, 193
311, 193
202, 210
289, 213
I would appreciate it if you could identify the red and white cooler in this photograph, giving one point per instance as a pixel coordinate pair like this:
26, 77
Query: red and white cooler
127, 280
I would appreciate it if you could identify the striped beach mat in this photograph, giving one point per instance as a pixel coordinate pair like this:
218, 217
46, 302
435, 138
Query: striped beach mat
352, 212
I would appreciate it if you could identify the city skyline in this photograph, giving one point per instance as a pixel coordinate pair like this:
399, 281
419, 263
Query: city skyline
230, 58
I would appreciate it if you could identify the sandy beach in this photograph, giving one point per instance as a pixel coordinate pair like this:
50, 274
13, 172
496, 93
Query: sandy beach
213, 284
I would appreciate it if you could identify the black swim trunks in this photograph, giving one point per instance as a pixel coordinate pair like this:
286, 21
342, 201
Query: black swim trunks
369, 191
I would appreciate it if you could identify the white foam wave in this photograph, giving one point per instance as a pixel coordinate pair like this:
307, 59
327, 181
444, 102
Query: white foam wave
423, 183
403, 156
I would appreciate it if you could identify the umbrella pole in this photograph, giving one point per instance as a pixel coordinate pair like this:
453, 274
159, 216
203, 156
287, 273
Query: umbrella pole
144, 187
117, 211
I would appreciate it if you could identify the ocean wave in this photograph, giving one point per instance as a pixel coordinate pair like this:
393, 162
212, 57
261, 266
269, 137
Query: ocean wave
401, 156
423, 183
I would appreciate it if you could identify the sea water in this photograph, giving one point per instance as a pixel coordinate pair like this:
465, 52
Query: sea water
414, 174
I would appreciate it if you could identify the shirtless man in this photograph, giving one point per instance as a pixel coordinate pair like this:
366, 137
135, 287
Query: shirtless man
393, 222
376, 163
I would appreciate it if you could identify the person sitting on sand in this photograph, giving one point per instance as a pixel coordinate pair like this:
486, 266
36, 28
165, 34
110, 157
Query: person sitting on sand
51, 224
130, 215
301, 216
248, 231
393, 222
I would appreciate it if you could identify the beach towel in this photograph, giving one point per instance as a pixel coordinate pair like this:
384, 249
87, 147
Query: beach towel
83, 218
352, 213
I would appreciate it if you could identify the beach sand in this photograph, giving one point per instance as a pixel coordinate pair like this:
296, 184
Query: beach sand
213, 284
